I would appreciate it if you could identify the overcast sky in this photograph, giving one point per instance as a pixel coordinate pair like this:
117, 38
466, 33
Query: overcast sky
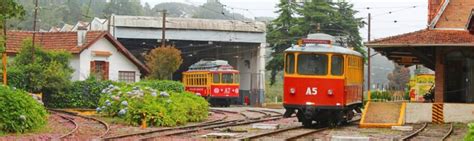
410, 15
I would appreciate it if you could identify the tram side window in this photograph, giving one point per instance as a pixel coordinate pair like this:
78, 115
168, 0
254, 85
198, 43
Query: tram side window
227, 78
236, 78
290, 63
216, 78
337, 65
312, 64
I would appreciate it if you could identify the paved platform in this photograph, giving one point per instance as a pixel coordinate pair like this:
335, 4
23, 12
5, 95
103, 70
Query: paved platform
383, 114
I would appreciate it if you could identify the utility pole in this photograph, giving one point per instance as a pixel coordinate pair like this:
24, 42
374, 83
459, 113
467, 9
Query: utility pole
4, 54
34, 32
368, 58
163, 30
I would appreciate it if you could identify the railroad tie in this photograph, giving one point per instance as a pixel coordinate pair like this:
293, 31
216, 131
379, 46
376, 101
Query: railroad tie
437, 113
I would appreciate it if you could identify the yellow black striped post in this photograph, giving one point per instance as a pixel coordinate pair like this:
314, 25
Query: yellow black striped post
437, 113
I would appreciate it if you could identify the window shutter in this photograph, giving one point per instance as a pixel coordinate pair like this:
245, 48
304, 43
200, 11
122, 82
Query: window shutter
92, 71
106, 70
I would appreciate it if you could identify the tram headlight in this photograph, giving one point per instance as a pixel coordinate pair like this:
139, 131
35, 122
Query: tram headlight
292, 91
330, 92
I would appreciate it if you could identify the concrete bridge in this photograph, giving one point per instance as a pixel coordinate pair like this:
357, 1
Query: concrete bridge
241, 43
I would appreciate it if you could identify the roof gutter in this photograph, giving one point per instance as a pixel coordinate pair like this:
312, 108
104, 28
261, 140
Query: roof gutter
417, 45
438, 16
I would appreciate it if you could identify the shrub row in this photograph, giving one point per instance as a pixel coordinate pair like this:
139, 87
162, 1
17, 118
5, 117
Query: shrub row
470, 133
80, 94
19, 112
380, 95
170, 107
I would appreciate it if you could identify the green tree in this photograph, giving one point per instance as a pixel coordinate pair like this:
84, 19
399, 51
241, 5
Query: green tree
163, 62
280, 35
124, 7
296, 21
49, 73
215, 10
399, 78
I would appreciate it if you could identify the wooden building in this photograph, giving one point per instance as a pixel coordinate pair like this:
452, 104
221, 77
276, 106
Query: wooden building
445, 46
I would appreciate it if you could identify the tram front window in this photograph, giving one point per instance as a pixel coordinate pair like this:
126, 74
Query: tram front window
337, 65
312, 64
227, 78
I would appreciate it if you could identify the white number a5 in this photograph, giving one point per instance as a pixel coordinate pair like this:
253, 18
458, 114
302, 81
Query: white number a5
311, 91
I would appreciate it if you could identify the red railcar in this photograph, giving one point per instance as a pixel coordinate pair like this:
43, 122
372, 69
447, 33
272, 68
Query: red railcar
323, 82
215, 80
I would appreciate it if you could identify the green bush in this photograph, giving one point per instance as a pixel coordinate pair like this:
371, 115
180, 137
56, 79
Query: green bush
380, 95
161, 108
49, 73
163, 85
81, 94
470, 133
19, 112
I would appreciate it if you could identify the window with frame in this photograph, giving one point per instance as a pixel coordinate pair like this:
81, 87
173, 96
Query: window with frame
227, 78
99, 69
236, 78
337, 65
127, 76
216, 78
312, 64
290, 63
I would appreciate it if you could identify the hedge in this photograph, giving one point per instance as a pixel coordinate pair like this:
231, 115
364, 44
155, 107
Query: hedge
81, 94
170, 107
19, 112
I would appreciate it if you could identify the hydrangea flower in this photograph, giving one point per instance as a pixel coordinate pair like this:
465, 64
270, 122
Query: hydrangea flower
122, 112
98, 109
22, 117
154, 94
164, 94
124, 103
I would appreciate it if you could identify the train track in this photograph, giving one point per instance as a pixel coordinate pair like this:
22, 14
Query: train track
430, 132
70, 120
291, 133
81, 123
189, 127
175, 131
266, 117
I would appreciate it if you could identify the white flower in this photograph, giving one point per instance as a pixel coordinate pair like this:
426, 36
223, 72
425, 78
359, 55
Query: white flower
98, 109
154, 94
122, 112
22, 117
124, 103
164, 94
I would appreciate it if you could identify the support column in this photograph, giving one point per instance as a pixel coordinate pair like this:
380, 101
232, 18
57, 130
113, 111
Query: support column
439, 76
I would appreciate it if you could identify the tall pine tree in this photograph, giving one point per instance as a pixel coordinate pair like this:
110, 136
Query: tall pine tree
296, 20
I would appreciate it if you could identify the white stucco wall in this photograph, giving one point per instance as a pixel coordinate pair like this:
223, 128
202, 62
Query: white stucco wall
117, 61
75, 64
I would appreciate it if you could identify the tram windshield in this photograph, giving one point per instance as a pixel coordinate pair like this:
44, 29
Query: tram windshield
227, 78
312, 64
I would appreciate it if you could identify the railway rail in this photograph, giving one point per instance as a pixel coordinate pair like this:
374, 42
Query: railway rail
70, 120
431, 132
174, 131
291, 133
77, 125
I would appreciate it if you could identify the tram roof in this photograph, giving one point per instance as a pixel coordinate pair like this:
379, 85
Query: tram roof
323, 48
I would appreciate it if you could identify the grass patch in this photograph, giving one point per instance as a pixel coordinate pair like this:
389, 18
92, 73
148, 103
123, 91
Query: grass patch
274, 93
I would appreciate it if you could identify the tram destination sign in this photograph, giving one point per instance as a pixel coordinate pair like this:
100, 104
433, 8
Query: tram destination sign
314, 41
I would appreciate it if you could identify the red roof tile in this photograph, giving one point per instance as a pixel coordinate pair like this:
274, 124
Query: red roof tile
66, 41
428, 37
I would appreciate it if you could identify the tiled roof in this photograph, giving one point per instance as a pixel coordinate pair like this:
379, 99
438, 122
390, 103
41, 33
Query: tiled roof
65, 41
427, 37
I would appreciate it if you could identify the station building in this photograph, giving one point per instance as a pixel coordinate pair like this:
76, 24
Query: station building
445, 46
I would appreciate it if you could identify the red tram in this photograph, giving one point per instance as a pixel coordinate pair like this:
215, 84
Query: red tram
215, 80
323, 82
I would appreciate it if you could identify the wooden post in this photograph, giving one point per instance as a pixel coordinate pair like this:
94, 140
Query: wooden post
143, 121
368, 59
4, 54
34, 32
163, 30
